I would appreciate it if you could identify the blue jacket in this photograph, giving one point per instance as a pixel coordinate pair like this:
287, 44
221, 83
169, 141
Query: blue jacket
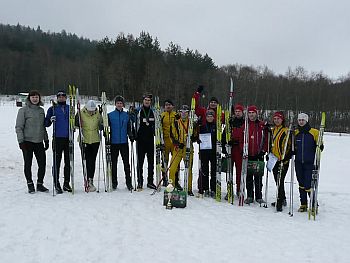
305, 144
120, 125
62, 120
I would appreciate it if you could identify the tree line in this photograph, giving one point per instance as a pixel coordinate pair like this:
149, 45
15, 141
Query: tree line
128, 65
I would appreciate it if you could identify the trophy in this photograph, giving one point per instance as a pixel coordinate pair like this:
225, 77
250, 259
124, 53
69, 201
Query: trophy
169, 189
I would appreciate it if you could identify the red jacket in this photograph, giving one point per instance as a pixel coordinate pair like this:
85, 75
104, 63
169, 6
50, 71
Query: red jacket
257, 138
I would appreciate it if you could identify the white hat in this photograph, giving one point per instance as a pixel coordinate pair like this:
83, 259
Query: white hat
303, 116
90, 105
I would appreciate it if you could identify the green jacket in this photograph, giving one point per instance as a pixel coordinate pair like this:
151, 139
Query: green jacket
91, 124
30, 125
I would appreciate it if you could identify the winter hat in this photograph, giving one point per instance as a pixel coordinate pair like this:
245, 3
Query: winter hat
119, 98
279, 114
147, 95
253, 108
239, 107
61, 93
184, 108
210, 113
169, 101
303, 116
90, 105
214, 99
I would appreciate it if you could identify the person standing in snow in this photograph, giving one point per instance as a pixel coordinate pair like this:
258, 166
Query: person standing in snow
257, 147
145, 131
305, 149
91, 121
279, 140
59, 114
121, 129
208, 155
31, 133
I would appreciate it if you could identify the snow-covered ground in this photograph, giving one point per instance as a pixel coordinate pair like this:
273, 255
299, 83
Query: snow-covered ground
135, 227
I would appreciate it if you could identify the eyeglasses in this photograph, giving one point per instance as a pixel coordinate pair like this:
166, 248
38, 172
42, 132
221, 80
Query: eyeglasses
61, 93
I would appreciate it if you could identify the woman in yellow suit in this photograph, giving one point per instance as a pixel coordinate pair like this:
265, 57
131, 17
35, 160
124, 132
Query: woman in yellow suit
178, 134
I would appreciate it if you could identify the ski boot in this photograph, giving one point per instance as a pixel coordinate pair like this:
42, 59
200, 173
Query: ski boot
41, 188
31, 188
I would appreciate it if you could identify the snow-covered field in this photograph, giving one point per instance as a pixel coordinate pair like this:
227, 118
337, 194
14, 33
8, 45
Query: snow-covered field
135, 227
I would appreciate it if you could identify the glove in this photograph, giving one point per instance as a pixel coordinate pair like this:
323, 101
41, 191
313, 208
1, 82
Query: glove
321, 147
200, 88
177, 116
162, 147
267, 158
46, 145
53, 118
230, 142
181, 145
261, 156
224, 151
131, 138
23, 146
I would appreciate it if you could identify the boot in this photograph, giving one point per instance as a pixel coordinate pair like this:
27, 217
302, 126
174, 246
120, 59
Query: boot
190, 193
66, 187
31, 188
139, 187
92, 188
41, 188
129, 186
249, 200
178, 187
302, 208
58, 188
151, 185
260, 201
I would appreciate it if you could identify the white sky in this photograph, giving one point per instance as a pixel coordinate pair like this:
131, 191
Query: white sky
314, 34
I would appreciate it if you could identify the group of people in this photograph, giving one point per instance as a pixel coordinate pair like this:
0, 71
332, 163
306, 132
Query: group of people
139, 125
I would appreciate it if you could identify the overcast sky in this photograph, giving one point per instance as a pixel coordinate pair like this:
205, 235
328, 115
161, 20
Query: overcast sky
314, 34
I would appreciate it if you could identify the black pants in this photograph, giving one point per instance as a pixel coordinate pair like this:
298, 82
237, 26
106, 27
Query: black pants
254, 181
39, 152
207, 156
91, 151
124, 151
62, 146
275, 170
144, 148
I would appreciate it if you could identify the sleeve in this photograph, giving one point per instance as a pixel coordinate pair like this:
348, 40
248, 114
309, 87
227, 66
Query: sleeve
20, 123
199, 110
48, 117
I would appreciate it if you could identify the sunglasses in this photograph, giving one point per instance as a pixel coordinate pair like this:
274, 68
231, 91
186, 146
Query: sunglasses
61, 94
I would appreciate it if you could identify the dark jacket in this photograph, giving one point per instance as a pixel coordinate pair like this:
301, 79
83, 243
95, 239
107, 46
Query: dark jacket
120, 125
305, 144
209, 128
62, 119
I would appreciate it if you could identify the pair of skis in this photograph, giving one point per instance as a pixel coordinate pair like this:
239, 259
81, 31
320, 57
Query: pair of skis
313, 202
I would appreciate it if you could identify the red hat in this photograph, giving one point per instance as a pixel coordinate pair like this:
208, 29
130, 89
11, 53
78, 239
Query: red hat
239, 107
279, 114
253, 108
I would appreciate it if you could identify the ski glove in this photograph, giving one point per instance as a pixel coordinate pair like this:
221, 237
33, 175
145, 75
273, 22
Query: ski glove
181, 145
321, 147
23, 146
46, 143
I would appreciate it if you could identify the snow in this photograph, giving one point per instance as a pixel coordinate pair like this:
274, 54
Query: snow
135, 227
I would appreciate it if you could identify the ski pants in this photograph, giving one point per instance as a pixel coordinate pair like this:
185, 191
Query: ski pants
62, 146
236, 157
276, 170
207, 156
254, 181
91, 151
40, 155
123, 149
169, 148
143, 148
304, 175
180, 154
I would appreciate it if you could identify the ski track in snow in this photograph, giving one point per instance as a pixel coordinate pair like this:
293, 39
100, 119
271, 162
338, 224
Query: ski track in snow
135, 227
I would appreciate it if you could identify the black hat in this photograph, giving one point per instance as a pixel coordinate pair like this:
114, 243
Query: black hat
119, 98
169, 101
214, 99
61, 93
147, 95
